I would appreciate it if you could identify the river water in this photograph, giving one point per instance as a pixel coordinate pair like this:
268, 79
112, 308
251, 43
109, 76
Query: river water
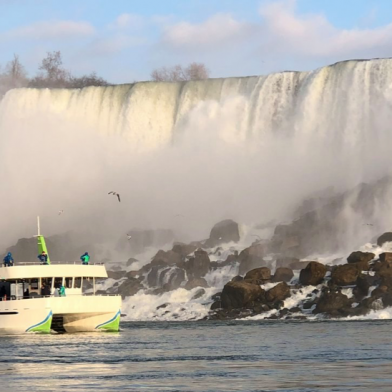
204, 356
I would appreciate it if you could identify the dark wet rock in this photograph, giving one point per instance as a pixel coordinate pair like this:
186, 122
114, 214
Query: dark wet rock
357, 257
129, 287
240, 294
278, 293
183, 249
258, 275
132, 274
308, 304
386, 257
131, 261
223, 232
199, 293
291, 262
283, 312
333, 303
283, 275
384, 270
216, 296
163, 306
251, 257
386, 237
116, 274
345, 275
198, 266
286, 240
313, 274
237, 278
197, 282
296, 309
216, 305
163, 258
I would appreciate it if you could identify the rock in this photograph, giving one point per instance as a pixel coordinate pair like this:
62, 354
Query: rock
332, 303
357, 257
291, 262
132, 274
239, 294
197, 282
251, 258
278, 293
386, 237
131, 261
237, 278
129, 287
166, 258
169, 278
216, 296
198, 294
216, 305
198, 266
183, 249
384, 270
258, 275
313, 274
386, 257
223, 232
116, 274
344, 275
163, 306
283, 275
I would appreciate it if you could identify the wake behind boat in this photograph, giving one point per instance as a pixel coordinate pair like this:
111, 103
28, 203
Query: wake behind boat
29, 301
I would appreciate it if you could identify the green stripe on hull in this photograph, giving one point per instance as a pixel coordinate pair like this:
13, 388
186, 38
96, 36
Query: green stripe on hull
44, 326
113, 325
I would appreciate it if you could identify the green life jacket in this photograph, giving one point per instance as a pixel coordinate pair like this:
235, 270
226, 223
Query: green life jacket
62, 291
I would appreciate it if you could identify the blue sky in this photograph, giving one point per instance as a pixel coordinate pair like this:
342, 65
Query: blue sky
124, 41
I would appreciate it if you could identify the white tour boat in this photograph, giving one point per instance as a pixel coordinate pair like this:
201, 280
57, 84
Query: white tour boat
41, 309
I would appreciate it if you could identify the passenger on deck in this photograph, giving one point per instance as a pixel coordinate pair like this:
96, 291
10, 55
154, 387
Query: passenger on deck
43, 257
26, 294
85, 258
61, 290
8, 260
45, 290
3, 293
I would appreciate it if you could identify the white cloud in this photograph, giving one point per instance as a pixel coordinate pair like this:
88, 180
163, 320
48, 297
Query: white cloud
62, 29
128, 21
219, 29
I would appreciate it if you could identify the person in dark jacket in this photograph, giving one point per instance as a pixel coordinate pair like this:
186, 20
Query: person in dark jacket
43, 257
85, 258
8, 260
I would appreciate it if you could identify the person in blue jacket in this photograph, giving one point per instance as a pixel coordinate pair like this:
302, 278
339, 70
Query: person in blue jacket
85, 258
8, 260
43, 257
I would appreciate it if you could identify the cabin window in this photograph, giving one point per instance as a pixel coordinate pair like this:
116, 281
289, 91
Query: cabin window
34, 283
47, 282
58, 282
68, 283
78, 283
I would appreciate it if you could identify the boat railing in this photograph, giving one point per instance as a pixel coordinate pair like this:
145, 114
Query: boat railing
51, 263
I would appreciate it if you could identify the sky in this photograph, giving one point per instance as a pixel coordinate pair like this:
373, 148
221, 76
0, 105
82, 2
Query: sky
124, 40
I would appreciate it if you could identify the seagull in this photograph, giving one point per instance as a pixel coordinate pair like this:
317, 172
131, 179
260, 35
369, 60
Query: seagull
61, 211
368, 224
178, 216
129, 237
115, 194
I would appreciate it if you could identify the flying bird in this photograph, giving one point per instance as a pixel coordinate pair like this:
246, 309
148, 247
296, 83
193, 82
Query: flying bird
368, 224
61, 211
129, 237
115, 194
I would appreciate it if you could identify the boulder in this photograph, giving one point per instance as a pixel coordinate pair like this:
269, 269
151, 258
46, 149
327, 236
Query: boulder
128, 288
384, 270
358, 257
386, 237
166, 258
344, 275
251, 258
258, 275
116, 274
223, 232
332, 303
198, 266
283, 275
199, 293
386, 257
183, 249
313, 274
278, 293
216, 305
196, 282
240, 294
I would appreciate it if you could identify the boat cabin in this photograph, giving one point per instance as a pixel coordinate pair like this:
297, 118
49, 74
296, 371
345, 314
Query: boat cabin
33, 280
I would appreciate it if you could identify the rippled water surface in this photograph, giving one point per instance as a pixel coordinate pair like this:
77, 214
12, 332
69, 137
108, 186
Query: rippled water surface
204, 356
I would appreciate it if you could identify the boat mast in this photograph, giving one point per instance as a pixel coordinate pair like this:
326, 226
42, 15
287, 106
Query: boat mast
38, 234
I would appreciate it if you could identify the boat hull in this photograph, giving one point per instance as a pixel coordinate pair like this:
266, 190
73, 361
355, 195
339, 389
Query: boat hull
76, 313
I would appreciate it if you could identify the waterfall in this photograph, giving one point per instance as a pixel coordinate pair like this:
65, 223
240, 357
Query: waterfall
345, 101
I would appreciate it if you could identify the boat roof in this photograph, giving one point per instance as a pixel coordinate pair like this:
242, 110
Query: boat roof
61, 269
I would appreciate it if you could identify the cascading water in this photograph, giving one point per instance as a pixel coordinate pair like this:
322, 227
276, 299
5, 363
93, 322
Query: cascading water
247, 148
